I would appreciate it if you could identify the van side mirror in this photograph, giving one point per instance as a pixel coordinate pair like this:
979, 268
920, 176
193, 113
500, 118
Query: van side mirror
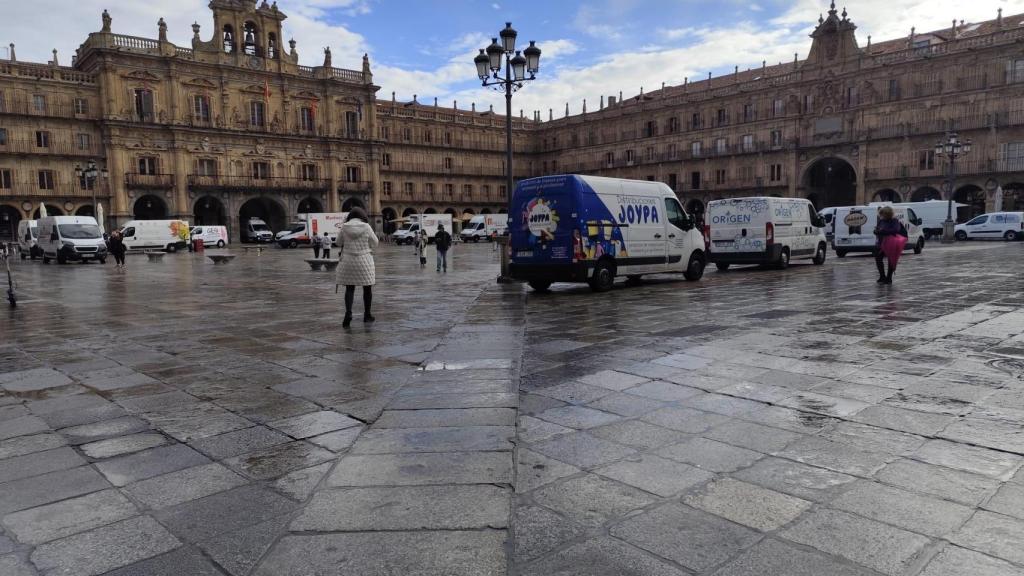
687, 223
917, 221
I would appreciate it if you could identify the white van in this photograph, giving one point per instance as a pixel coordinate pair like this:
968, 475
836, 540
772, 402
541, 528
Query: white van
763, 230
407, 233
64, 238
169, 235
828, 217
932, 214
484, 227
28, 233
573, 228
211, 235
256, 230
855, 229
1005, 225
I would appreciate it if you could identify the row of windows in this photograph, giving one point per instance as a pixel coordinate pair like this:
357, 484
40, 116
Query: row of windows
41, 104
45, 179
406, 135
745, 174
387, 188
143, 98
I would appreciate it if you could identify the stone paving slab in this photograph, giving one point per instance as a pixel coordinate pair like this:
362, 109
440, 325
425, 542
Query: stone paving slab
60, 519
417, 469
103, 549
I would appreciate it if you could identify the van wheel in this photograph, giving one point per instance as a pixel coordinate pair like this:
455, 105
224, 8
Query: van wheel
292, 244
840, 253
1010, 236
783, 262
540, 285
960, 235
23, 256
103, 260
695, 268
723, 266
220, 243
603, 278
819, 256
46, 260
919, 246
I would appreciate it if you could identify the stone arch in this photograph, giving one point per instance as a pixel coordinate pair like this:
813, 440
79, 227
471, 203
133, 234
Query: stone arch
469, 211
149, 207
451, 211
830, 181
51, 210
265, 208
485, 211
974, 197
430, 210
228, 38
209, 211
925, 193
887, 195
389, 215
352, 202
502, 210
9, 218
250, 38
85, 210
310, 205
1013, 197
409, 212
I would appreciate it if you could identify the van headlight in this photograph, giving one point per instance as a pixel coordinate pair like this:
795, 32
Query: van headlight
68, 245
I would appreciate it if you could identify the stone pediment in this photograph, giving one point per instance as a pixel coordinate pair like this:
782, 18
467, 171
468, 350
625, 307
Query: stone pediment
254, 89
199, 83
143, 75
306, 95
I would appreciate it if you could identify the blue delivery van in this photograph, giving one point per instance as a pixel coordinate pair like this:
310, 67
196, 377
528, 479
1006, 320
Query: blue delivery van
574, 228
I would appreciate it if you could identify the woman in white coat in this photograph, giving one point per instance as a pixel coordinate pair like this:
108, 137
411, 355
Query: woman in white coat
357, 241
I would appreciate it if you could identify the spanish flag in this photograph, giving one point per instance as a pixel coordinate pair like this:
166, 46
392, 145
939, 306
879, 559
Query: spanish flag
266, 90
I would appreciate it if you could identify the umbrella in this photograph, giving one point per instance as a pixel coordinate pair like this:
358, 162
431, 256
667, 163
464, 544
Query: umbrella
42, 210
99, 216
997, 200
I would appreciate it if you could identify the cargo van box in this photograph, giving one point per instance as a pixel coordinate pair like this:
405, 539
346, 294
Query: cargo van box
67, 238
855, 229
169, 235
764, 230
591, 229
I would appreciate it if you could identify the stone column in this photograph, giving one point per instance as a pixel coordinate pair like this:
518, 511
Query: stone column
183, 208
862, 172
118, 191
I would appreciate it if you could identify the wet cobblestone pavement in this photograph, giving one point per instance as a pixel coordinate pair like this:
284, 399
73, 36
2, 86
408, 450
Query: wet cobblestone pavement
186, 418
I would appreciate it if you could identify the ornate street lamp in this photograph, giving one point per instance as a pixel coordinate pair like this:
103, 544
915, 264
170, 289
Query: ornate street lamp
951, 149
519, 68
88, 177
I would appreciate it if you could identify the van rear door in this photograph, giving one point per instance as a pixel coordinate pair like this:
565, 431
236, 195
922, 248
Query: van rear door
543, 221
739, 225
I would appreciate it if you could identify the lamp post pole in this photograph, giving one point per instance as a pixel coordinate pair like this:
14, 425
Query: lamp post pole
951, 149
489, 63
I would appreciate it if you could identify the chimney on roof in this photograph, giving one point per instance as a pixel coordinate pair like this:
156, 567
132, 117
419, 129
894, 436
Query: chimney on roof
796, 59
492, 109
521, 115
999, 17
584, 105
869, 42
611, 101
764, 65
953, 30
620, 97
910, 41
472, 107
435, 101
392, 96
566, 109
55, 63
686, 83
551, 114
736, 71
602, 103
13, 57
455, 104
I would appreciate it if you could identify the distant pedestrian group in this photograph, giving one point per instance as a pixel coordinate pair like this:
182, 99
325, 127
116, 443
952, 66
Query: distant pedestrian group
321, 244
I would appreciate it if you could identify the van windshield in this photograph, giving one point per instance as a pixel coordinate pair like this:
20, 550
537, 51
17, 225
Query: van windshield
260, 227
35, 231
298, 228
79, 231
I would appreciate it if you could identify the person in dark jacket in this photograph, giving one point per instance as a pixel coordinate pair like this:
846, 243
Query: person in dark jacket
115, 244
443, 241
891, 237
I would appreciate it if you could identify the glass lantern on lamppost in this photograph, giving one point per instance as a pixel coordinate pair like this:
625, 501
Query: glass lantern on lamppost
951, 149
88, 178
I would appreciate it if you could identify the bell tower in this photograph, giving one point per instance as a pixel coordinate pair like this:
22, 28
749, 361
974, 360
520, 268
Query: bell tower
246, 33
834, 42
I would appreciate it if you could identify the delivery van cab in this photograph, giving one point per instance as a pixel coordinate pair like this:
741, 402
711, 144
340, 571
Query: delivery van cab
484, 227
763, 230
169, 235
855, 228
28, 234
211, 235
65, 238
591, 229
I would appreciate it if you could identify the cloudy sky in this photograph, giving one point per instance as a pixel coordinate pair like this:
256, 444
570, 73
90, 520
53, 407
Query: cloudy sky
425, 47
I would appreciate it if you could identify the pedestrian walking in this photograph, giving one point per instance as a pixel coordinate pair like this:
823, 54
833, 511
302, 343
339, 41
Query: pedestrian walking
317, 242
357, 242
891, 237
442, 241
115, 244
421, 247
326, 245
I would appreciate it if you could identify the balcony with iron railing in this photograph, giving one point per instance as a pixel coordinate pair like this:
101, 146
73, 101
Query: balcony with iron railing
40, 72
48, 110
29, 187
247, 183
53, 148
149, 181
355, 186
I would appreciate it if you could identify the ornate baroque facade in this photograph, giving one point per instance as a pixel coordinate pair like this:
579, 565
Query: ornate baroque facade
233, 127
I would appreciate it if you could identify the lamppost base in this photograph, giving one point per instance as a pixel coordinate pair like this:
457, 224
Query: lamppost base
947, 232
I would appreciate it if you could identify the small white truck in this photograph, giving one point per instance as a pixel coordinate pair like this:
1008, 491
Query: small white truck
484, 227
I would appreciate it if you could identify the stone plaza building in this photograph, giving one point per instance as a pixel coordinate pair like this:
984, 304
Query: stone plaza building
233, 127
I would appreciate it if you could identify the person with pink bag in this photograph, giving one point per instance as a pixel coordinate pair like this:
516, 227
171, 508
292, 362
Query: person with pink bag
892, 237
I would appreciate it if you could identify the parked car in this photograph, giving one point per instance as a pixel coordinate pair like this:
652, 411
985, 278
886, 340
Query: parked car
763, 230
1005, 225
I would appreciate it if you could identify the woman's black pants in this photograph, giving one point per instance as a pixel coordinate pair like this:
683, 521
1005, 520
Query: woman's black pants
350, 292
